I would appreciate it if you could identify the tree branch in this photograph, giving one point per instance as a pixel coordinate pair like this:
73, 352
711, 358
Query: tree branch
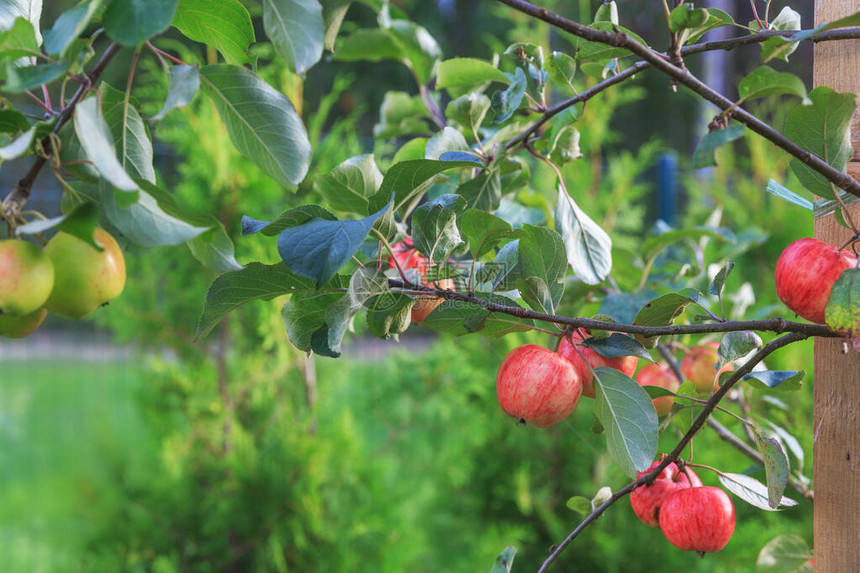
684, 77
676, 452
777, 325
19, 195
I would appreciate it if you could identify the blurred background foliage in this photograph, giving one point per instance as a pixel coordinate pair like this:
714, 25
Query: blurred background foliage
240, 454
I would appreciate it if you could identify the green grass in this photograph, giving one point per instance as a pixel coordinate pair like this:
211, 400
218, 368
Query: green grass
59, 422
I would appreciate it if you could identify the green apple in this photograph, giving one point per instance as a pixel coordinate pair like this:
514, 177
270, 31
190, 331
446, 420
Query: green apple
85, 278
21, 326
26, 277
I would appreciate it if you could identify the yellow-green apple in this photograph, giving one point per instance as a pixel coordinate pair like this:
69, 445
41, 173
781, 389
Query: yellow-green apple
409, 258
699, 366
805, 273
662, 376
646, 500
26, 277
568, 349
21, 326
85, 278
700, 519
537, 386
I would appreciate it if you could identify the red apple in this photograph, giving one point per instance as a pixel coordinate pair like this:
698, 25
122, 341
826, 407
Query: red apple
662, 376
699, 367
409, 258
646, 500
537, 385
805, 273
698, 519
568, 349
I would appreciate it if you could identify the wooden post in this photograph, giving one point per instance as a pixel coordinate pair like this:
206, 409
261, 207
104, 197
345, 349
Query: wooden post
837, 375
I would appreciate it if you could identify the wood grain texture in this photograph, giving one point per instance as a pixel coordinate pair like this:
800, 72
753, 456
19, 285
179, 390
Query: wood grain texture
837, 375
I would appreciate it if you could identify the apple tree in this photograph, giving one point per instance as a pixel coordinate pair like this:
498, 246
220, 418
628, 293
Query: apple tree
447, 231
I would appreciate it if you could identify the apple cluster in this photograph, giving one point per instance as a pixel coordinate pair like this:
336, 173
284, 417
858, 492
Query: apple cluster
409, 259
68, 277
805, 274
691, 516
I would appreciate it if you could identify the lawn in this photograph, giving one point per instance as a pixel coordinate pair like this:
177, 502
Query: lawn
59, 424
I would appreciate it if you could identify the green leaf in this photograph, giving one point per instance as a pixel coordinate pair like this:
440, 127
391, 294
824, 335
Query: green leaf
542, 259
254, 282
468, 110
24, 78
586, 51
351, 184
506, 102
607, 12
627, 414
779, 47
716, 287
459, 318
295, 28
364, 284
588, 246
31, 10
183, 82
617, 344
716, 19
401, 114
68, 26
663, 311
705, 153
765, 81
289, 218
484, 191
483, 231
735, 345
389, 313
133, 22
418, 46
686, 16
843, 307
434, 227
824, 128
368, 44
94, 135
304, 317
562, 69
406, 178
504, 561
579, 504
751, 491
223, 24
129, 134
467, 72
787, 194
785, 554
319, 248
262, 122
80, 222
783, 380
151, 217
447, 140
13, 122
622, 307
19, 146
214, 249
333, 13
775, 466
19, 41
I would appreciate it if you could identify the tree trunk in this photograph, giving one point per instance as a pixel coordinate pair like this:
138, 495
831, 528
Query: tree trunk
837, 375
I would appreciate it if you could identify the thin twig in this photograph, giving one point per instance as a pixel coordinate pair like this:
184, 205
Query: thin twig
694, 428
19, 195
683, 76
